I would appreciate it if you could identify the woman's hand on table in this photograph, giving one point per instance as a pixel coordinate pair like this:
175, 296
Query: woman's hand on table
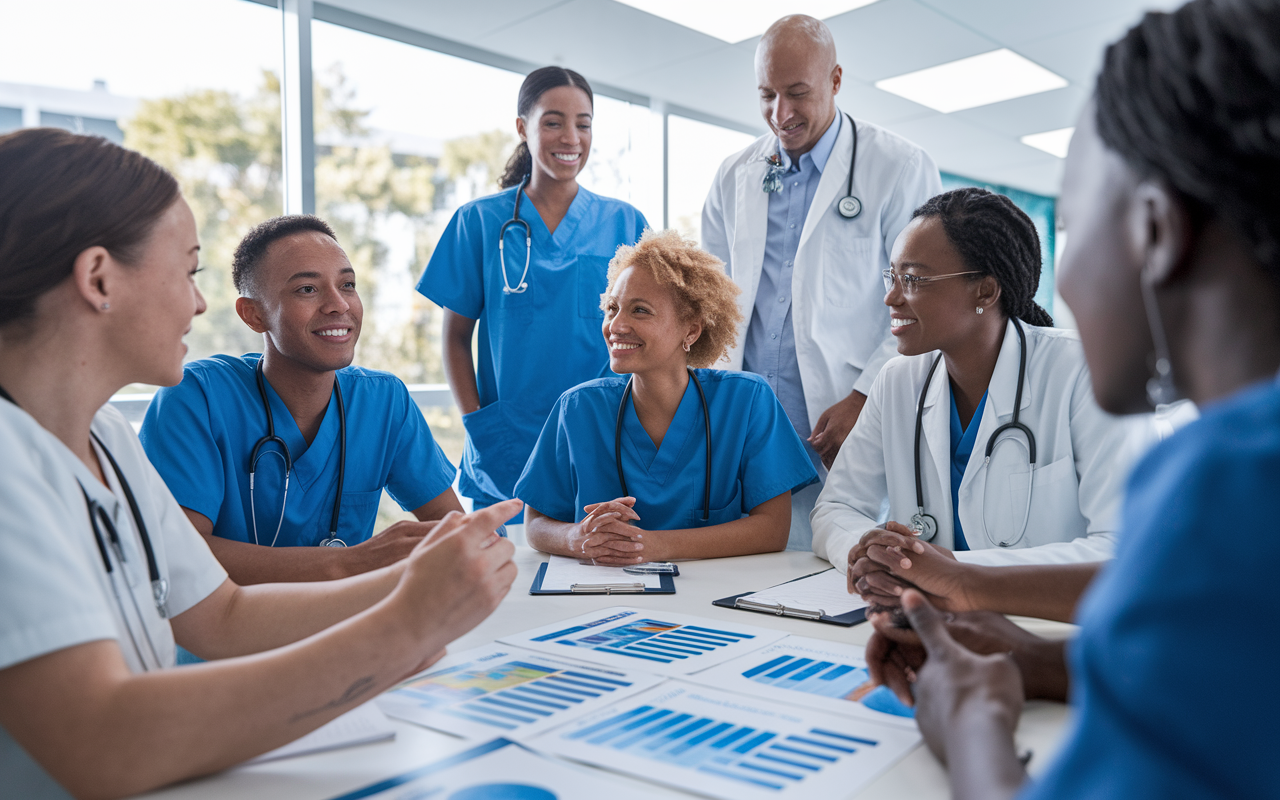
607, 535
895, 653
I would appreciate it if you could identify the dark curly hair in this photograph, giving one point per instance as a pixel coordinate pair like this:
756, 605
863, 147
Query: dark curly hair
254, 245
995, 237
1191, 98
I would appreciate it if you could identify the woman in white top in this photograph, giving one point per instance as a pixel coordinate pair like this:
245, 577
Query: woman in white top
101, 572
981, 374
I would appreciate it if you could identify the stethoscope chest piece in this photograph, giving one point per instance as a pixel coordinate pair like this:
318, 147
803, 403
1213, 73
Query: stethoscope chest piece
925, 526
333, 543
850, 207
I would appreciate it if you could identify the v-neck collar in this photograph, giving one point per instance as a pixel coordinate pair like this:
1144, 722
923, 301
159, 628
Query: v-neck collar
309, 461
661, 462
565, 230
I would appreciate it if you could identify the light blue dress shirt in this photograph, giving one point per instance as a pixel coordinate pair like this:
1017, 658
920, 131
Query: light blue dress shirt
770, 349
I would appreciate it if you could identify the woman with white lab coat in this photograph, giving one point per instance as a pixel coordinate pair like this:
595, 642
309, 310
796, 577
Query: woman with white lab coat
974, 344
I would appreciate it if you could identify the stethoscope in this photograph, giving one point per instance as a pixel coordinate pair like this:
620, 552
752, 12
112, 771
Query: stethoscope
706, 416
528, 244
332, 540
924, 525
111, 543
849, 205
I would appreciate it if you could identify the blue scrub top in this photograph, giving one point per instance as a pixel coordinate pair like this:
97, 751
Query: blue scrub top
962, 441
1172, 672
756, 454
534, 345
200, 433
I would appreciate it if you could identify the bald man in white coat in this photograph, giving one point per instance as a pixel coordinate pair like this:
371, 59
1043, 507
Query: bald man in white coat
808, 259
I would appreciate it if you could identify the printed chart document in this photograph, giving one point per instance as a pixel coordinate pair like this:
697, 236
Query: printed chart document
730, 746
497, 770
664, 642
563, 573
361, 725
827, 676
825, 593
500, 690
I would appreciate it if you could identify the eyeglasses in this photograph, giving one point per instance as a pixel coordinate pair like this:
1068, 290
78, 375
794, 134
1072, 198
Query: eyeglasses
911, 283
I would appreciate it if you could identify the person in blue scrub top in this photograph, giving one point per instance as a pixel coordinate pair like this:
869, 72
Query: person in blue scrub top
1171, 197
621, 471
533, 285
299, 291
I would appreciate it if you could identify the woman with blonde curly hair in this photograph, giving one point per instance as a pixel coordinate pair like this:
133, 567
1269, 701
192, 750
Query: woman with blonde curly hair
678, 460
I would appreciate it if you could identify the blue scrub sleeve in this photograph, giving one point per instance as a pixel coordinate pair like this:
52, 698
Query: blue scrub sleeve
549, 482
454, 277
773, 458
177, 435
420, 471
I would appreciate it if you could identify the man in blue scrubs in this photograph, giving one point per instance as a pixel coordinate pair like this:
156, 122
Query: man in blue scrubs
298, 290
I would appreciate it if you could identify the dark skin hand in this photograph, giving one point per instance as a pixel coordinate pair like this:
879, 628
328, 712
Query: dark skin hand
895, 653
890, 560
967, 707
833, 427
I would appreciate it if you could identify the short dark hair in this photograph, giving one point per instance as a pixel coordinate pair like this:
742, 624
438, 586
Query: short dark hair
62, 193
254, 245
1190, 98
995, 237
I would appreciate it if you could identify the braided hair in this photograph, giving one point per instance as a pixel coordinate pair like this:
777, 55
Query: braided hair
995, 237
1193, 98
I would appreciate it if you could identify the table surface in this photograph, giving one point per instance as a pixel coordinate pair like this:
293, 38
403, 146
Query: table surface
324, 775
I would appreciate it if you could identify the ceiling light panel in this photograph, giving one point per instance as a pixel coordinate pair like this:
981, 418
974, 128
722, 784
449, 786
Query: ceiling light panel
975, 81
742, 19
1054, 143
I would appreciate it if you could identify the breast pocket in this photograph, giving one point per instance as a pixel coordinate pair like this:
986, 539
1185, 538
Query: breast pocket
592, 279
1054, 514
718, 516
850, 270
358, 516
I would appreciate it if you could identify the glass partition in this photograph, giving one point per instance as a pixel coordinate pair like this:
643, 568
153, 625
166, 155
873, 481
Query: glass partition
695, 151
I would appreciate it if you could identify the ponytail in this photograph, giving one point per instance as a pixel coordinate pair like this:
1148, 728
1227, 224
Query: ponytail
538, 83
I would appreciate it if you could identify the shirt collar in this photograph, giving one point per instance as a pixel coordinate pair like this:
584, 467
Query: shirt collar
821, 151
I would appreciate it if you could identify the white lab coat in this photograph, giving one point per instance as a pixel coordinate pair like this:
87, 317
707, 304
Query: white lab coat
1079, 475
840, 320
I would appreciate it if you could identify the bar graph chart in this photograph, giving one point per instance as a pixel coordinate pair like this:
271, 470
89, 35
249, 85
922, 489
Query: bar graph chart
670, 644
730, 746
828, 676
500, 690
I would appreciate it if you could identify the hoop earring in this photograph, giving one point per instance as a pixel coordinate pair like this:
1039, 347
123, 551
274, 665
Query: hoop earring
979, 309
1161, 390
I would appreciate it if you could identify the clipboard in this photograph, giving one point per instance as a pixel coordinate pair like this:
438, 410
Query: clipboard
668, 586
847, 620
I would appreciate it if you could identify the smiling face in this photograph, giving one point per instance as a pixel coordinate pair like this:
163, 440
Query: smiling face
158, 300
941, 315
1100, 269
558, 132
798, 84
642, 326
306, 301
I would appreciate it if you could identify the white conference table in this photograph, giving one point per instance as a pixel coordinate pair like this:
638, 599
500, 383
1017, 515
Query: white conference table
325, 775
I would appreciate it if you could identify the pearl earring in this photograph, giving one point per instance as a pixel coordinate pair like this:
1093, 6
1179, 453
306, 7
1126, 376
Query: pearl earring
686, 347
979, 309
106, 306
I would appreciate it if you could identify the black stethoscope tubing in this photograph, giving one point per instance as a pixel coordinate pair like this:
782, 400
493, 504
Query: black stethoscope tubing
849, 205
924, 524
706, 416
271, 437
528, 244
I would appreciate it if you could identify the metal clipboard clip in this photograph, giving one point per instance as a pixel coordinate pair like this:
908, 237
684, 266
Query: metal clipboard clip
607, 588
778, 609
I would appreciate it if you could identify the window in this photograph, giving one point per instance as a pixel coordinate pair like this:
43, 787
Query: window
695, 152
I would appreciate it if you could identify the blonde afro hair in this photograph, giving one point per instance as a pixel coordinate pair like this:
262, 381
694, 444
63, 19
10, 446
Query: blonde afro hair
698, 283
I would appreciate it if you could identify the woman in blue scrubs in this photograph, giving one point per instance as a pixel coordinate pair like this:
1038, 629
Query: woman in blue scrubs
621, 476
533, 285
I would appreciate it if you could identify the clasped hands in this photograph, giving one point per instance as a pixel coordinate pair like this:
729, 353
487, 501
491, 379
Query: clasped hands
608, 536
889, 560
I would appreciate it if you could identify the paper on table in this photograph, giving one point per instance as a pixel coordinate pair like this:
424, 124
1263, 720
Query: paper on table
731, 746
499, 690
562, 573
361, 725
826, 592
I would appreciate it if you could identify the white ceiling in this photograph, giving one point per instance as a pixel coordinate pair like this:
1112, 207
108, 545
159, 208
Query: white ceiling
619, 45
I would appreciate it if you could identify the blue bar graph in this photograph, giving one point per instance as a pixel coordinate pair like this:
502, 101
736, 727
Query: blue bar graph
827, 679
650, 640
728, 750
